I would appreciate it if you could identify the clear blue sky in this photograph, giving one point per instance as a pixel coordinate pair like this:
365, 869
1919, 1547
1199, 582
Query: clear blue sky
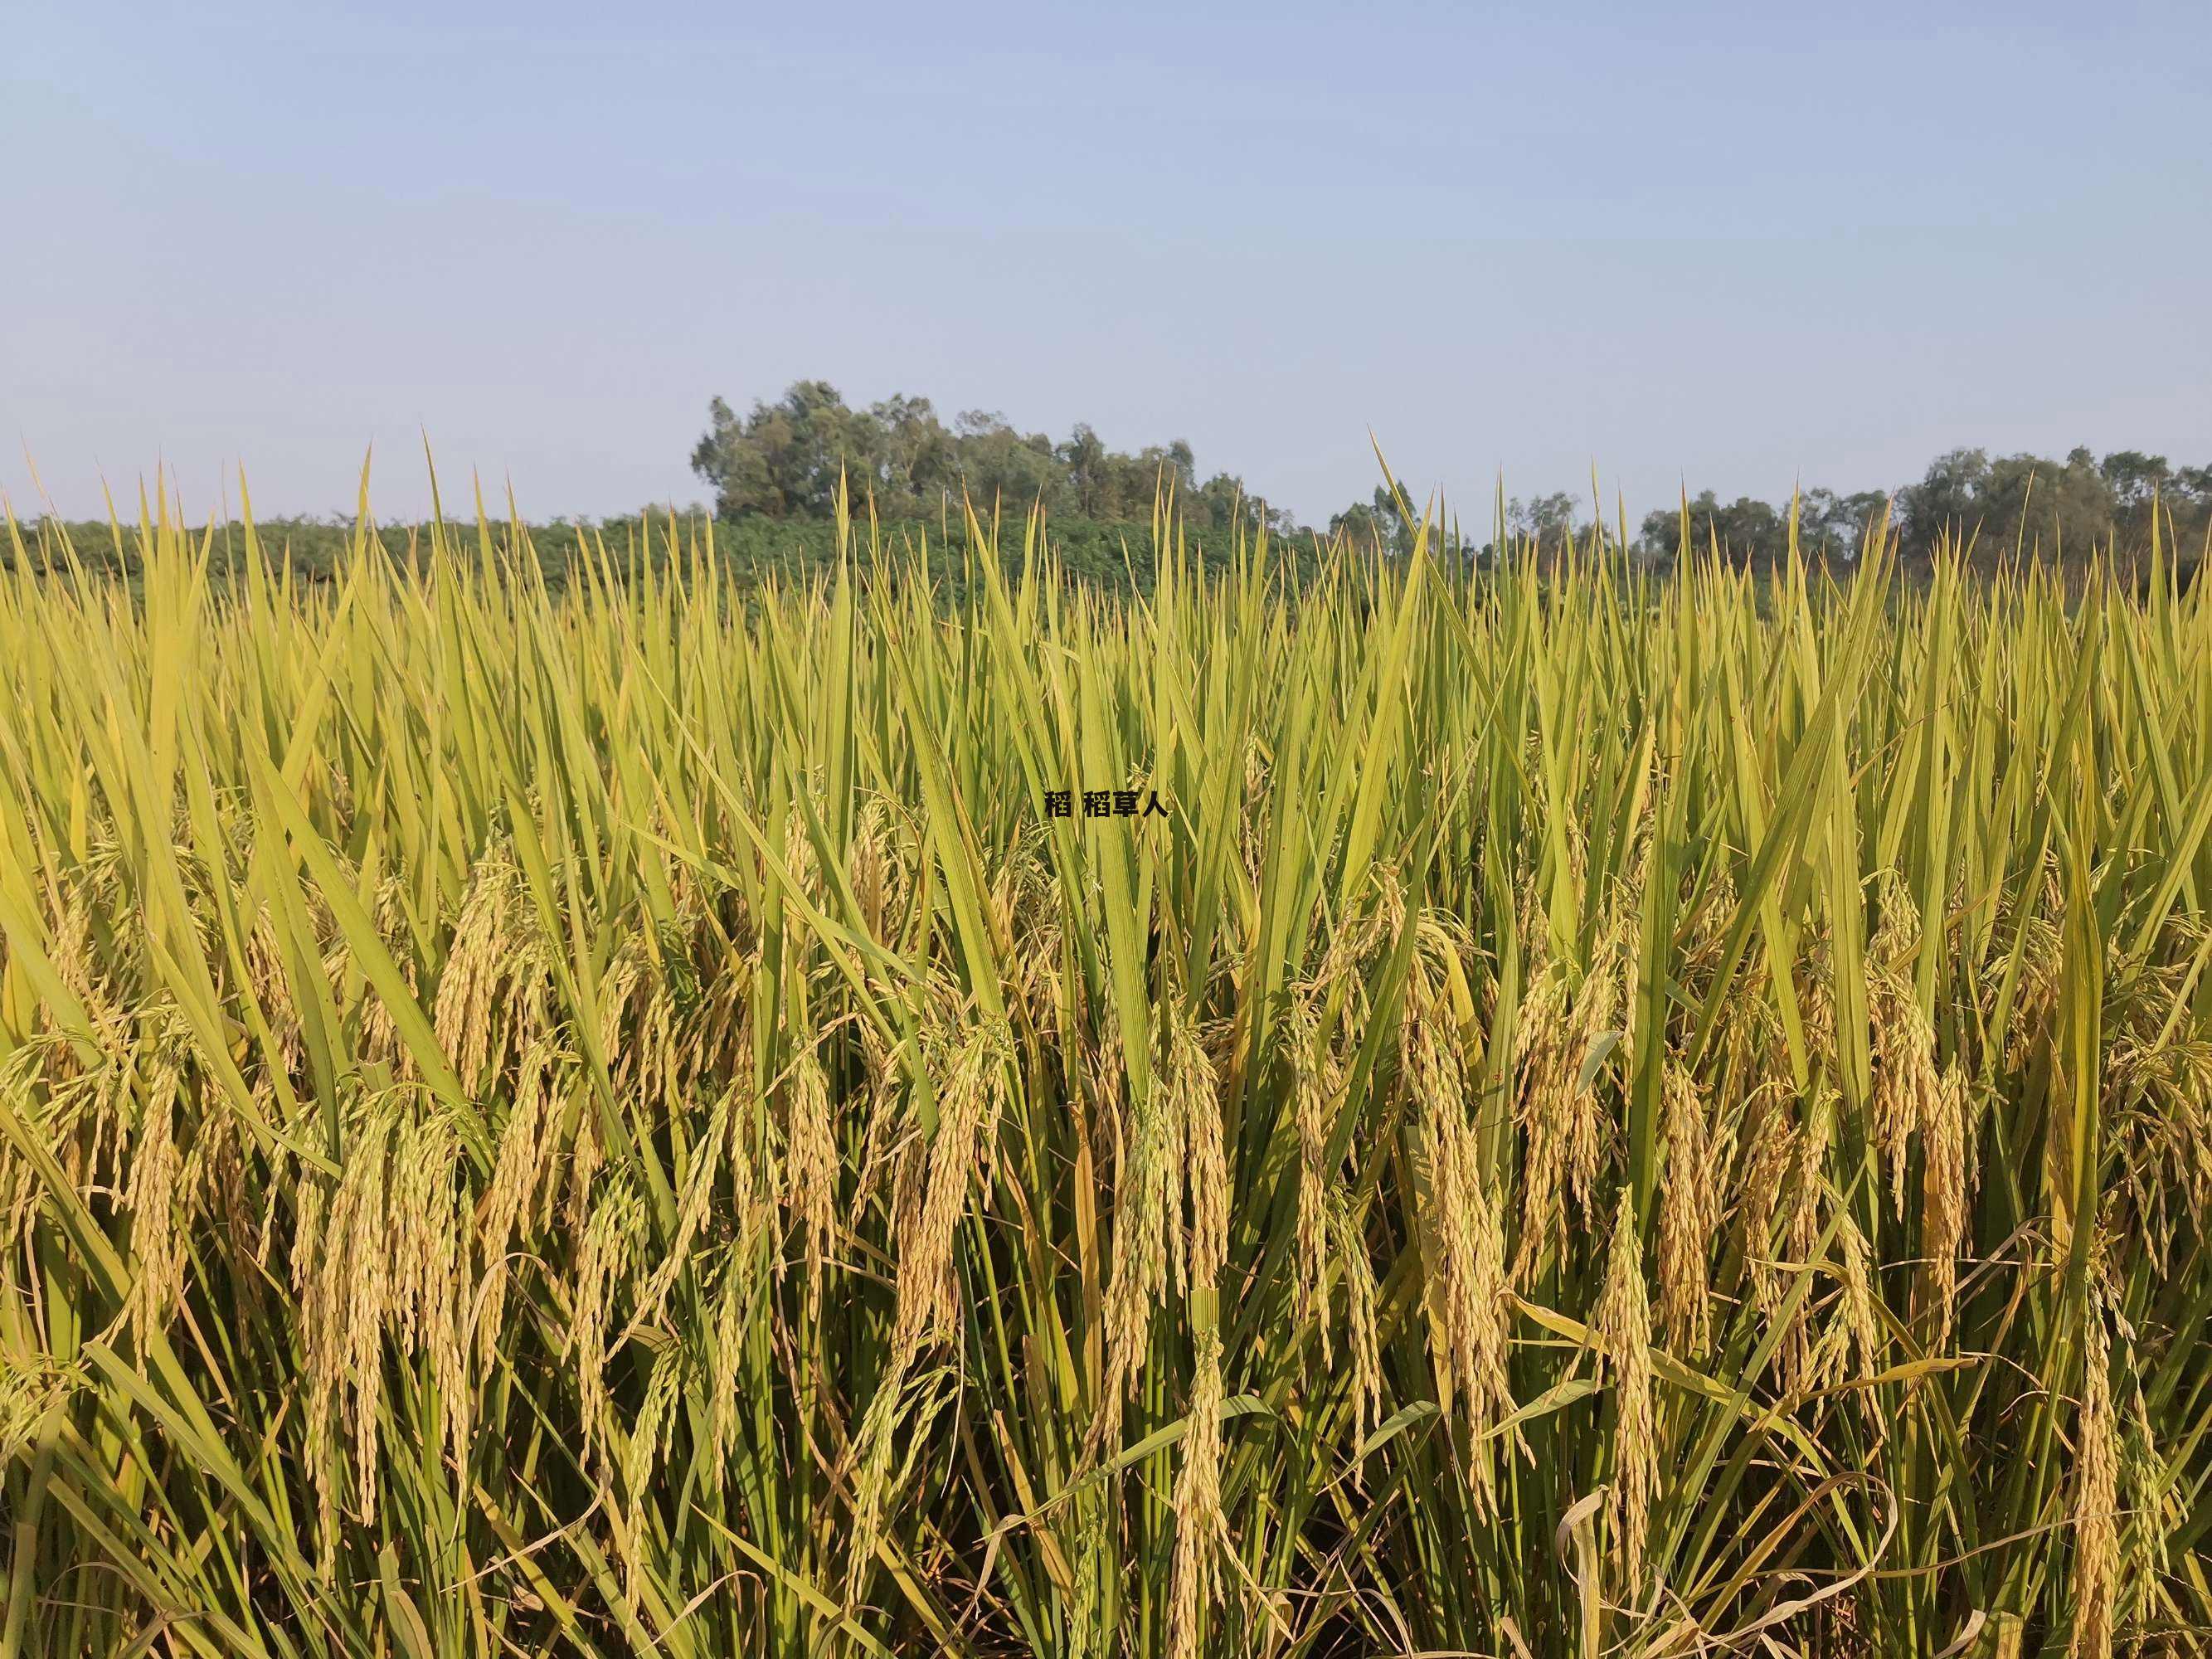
1733, 244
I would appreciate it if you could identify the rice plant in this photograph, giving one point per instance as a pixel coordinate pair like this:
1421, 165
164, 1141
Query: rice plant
1579, 1115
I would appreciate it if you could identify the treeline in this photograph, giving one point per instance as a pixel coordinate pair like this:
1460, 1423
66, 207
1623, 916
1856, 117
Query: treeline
776, 472
1994, 509
783, 461
750, 551
1989, 510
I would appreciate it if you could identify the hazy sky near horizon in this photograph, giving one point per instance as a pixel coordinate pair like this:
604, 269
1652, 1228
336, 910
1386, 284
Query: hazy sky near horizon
1710, 243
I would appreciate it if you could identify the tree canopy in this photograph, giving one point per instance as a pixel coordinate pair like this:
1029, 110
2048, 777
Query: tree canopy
784, 459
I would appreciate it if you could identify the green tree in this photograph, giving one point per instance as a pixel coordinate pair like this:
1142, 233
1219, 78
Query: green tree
1377, 522
914, 468
2016, 504
1834, 528
998, 466
1090, 470
785, 459
1547, 520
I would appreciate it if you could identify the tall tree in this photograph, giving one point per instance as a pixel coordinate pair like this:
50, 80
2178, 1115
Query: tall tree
2015, 506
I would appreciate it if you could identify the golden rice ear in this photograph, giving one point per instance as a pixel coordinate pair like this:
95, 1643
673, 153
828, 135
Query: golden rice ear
1465, 1290
1907, 1086
1198, 1527
1812, 1200
928, 1211
1194, 1091
478, 989
1145, 1149
1690, 1197
155, 1196
1546, 1112
607, 1259
813, 1169
1314, 1100
2096, 1518
1357, 1270
1623, 1327
1946, 1198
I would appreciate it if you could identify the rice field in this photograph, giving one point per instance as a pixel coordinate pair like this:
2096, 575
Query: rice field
1579, 1116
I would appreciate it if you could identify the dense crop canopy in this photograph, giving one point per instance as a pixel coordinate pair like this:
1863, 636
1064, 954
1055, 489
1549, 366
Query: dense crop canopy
1600, 1116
